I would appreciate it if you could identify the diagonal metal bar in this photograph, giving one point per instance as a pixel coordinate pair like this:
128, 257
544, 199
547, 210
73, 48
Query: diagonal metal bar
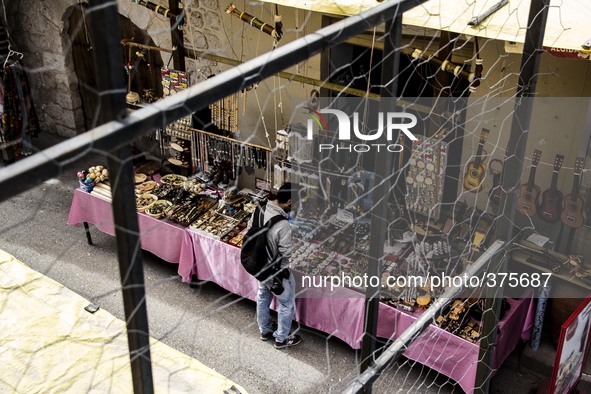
15, 179
397, 348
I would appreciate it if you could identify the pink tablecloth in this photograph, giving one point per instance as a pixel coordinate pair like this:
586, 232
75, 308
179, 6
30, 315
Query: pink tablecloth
339, 313
164, 239
453, 356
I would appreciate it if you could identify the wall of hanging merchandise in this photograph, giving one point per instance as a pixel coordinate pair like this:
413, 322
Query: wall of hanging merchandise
230, 159
330, 190
177, 145
144, 68
583, 239
286, 172
176, 141
201, 151
556, 214
292, 144
18, 118
336, 179
293, 148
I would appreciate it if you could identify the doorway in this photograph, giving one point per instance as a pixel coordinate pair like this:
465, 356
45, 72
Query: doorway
141, 67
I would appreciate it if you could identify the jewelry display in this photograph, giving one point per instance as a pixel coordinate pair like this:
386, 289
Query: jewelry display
224, 113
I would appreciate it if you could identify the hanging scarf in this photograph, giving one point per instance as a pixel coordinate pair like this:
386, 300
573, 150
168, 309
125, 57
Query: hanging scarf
19, 115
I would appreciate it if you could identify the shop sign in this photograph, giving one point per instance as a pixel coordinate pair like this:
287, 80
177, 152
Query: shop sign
568, 53
514, 47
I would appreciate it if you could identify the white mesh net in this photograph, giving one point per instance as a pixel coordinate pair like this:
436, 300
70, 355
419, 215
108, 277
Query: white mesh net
421, 172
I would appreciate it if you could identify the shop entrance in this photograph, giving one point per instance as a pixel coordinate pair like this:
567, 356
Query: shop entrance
142, 67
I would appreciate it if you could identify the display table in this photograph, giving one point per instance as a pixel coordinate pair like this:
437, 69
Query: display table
339, 313
163, 238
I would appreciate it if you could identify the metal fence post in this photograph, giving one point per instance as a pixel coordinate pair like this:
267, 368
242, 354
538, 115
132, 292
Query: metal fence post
512, 169
108, 55
384, 170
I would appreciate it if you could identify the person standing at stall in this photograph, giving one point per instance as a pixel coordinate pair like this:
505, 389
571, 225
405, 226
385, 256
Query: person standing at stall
278, 252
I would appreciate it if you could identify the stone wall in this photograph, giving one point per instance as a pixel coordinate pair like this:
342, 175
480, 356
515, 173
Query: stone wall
36, 29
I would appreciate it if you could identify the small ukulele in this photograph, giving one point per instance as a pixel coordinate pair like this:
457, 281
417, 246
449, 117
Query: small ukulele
474, 177
573, 214
551, 205
529, 193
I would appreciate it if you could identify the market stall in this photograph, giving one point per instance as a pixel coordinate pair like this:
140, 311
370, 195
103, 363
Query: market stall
443, 215
338, 313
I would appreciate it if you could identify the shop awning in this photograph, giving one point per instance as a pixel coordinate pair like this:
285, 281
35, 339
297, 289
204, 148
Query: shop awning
566, 29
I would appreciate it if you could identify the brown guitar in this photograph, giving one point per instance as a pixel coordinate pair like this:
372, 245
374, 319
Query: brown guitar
474, 177
573, 214
529, 193
551, 205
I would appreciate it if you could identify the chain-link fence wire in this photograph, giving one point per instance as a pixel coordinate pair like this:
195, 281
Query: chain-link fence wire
285, 88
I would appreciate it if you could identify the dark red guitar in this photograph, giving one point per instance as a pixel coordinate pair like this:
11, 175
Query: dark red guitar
551, 205
529, 193
573, 214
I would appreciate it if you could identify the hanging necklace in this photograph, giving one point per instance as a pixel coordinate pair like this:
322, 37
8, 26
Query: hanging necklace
86, 35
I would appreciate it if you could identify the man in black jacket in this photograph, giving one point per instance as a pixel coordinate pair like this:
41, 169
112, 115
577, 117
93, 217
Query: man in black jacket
278, 249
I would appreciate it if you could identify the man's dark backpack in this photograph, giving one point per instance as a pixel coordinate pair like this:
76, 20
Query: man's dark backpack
253, 254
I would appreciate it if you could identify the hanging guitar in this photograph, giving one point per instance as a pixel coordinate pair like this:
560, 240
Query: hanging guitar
529, 193
573, 214
551, 204
474, 177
